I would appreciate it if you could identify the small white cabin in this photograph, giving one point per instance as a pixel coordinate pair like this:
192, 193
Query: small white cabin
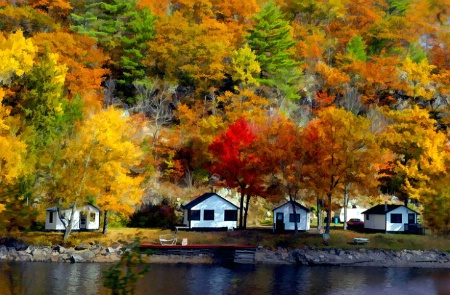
85, 218
389, 218
351, 213
284, 218
210, 211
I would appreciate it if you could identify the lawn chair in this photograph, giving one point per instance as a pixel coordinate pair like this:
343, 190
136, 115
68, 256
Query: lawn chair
168, 240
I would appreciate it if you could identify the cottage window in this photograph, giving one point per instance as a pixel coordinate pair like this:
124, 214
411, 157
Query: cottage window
396, 218
92, 216
195, 215
230, 215
367, 216
50, 217
208, 215
294, 217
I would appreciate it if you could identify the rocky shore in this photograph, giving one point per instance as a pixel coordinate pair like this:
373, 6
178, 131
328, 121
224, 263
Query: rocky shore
307, 256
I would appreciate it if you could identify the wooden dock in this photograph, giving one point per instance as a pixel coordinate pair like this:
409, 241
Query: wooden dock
226, 253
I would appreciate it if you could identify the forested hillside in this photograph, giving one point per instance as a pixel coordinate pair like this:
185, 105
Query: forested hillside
125, 102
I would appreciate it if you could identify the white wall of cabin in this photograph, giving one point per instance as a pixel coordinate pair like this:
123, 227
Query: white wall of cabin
383, 221
92, 223
398, 226
286, 209
375, 221
57, 224
351, 213
219, 206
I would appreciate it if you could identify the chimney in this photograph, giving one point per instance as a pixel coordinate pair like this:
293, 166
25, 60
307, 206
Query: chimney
385, 206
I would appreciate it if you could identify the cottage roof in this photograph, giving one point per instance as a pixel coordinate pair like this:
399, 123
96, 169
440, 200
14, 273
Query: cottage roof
71, 205
202, 198
296, 205
381, 209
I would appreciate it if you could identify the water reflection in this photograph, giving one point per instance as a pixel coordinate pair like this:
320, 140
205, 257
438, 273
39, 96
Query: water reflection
86, 278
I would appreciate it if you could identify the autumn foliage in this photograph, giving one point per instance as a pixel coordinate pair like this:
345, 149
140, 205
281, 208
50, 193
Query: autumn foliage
122, 102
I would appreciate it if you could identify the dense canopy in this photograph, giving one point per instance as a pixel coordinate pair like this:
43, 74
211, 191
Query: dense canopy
120, 102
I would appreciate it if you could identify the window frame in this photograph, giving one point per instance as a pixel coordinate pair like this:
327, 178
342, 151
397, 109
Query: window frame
291, 217
227, 217
50, 218
194, 215
207, 215
396, 218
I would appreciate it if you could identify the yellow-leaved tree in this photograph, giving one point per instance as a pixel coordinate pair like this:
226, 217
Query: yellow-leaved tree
16, 55
96, 166
419, 151
12, 155
419, 78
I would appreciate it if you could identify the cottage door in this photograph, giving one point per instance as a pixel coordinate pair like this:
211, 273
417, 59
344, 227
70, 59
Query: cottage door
82, 221
279, 224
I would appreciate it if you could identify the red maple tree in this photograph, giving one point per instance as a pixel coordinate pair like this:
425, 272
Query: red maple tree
236, 163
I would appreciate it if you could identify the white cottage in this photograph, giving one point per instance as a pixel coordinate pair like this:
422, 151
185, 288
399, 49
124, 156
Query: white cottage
352, 212
85, 218
284, 218
390, 218
210, 211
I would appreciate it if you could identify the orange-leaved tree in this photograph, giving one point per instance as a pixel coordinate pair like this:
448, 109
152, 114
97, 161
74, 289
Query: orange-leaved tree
280, 149
336, 145
189, 51
85, 63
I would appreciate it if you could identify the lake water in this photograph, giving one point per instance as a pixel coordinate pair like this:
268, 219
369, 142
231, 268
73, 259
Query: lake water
86, 278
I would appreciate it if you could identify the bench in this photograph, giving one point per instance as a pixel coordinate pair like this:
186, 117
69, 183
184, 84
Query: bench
360, 241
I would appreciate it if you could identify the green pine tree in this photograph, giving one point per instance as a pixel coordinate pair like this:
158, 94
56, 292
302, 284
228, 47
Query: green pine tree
356, 47
122, 30
271, 41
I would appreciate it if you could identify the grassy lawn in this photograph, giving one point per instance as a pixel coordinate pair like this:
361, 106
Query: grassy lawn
254, 236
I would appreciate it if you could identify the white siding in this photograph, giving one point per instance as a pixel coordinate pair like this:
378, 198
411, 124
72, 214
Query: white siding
383, 221
57, 224
376, 221
92, 217
351, 213
53, 225
219, 206
398, 226
286, 209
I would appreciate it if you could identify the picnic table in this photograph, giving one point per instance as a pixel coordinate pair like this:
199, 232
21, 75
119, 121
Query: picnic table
360, 241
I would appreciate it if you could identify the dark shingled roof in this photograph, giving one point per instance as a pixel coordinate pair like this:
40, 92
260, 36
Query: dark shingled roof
70, 206
296, 204
203, 198
380, 209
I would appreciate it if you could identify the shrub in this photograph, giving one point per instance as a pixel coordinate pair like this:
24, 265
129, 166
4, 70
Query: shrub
160, 216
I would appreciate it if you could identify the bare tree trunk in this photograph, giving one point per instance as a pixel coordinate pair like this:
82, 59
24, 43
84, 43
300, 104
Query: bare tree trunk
105, 223
347, 187
327, 229
241, 211
246, 210
319, 215
70, 225
294, 210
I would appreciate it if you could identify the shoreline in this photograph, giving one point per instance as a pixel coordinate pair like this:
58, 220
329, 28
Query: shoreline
307, 256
